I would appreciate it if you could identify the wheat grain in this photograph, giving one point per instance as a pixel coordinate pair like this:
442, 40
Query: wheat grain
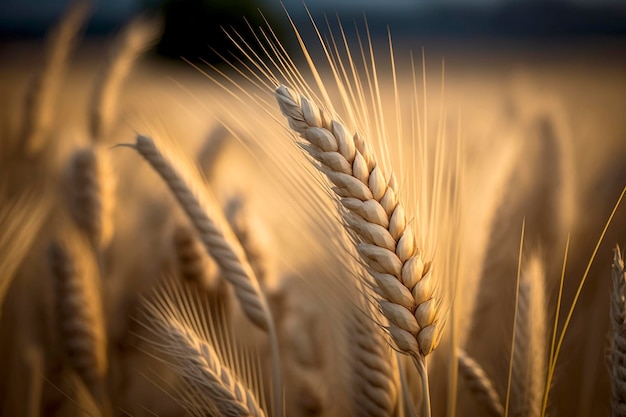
480, 384
618, 339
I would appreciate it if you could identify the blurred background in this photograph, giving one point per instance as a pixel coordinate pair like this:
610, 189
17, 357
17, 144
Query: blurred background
192, 25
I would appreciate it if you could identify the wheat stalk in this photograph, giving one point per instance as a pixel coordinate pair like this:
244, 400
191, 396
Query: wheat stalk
43, 90
222, 246
530, 352
480, 384
618, 339
136, 38
79, 317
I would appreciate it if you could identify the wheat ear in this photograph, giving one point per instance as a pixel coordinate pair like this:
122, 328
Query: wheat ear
253, 237
39, 108
92, 195
80, 318
480, 384
530, 352
223, 247
193, 263
197, 362
384, 238
375, 393
618, 340
376, 215
137, 37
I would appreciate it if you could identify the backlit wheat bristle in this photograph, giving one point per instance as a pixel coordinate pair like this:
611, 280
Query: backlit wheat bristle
136, 38
79, 315
480, 385
376, 215
193, 263
92, 194
618, 339
530, 344
21, 219
253, 237
40, 99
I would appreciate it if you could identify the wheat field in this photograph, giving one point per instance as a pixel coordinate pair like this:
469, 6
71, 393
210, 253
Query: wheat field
352, 229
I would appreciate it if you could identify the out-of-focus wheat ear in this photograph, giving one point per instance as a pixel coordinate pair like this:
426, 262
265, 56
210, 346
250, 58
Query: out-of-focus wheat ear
479, 383
254, 237
136, 38
43, 89
218, 239
222, 245
374, 389
79, 315
194, 265
212, 149
530, 351
91, 188
618, 339
376, 215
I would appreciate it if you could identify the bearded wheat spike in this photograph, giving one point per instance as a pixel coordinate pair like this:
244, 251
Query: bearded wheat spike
223, 247
480, 384
197, 363
376, 215
80, 319
227, 253
530, 353
92, 195
618, 340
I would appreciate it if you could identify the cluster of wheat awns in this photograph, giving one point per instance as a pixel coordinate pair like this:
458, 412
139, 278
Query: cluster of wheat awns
374, 326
